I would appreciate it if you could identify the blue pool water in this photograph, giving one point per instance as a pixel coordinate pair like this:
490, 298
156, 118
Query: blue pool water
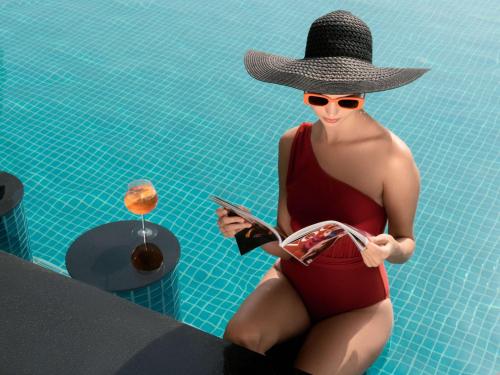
94, 94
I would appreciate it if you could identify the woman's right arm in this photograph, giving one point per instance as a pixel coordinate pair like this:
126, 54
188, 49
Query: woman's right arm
229, 225
285, 145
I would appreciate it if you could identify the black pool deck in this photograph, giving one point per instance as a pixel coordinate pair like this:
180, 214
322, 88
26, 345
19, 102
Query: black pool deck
52, 324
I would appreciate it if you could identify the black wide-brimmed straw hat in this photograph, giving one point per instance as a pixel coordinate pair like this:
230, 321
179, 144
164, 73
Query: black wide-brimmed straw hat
338, 60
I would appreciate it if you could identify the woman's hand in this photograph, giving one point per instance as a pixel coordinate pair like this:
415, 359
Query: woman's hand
230, 225
378, 249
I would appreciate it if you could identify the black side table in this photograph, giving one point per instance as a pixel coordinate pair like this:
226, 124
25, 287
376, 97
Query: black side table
101, 257
14, 237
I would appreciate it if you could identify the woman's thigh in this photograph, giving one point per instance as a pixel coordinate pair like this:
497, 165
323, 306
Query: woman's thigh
272, 313
347, 343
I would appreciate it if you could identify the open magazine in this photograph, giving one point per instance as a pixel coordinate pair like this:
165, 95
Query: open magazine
304, 245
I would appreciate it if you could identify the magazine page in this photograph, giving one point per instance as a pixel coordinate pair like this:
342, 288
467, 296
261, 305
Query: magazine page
257, 235
357, 241
309, 242
309, 229
359, 236
306, 248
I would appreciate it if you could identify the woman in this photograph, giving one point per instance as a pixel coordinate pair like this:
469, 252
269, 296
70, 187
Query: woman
345, 166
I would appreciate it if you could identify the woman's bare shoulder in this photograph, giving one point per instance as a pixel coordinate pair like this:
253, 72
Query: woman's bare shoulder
387, 141
398, 148
386, 148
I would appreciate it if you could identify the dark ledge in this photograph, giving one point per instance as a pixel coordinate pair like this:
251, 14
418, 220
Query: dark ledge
52, 324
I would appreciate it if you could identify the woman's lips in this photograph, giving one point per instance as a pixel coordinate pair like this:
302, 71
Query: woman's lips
331, 120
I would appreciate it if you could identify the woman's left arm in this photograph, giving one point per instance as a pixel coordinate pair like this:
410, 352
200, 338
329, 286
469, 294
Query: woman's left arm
400, 197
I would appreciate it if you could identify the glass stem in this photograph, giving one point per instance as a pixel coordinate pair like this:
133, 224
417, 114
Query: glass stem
144, 232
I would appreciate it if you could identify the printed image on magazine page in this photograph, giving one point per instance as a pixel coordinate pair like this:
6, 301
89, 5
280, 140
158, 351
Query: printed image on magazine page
308, 247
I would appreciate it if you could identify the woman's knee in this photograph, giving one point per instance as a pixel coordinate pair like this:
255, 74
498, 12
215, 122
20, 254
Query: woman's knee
247, 335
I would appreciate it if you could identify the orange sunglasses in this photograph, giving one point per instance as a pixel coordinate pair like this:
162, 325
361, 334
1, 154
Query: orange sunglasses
347, 102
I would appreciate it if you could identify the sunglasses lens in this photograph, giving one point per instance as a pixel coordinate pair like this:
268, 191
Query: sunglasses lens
317, 100
348, 103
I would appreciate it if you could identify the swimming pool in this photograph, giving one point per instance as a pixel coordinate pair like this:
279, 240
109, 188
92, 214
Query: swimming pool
96, 94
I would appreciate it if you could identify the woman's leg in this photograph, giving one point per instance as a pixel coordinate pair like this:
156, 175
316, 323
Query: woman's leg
272, 313
347, 343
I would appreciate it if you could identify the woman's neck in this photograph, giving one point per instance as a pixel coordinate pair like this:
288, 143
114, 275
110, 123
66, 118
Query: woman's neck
347, 130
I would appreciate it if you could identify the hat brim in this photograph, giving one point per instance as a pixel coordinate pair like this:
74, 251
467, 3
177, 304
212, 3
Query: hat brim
330, 75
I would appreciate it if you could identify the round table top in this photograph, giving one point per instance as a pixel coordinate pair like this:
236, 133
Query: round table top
11, 192
101, 256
